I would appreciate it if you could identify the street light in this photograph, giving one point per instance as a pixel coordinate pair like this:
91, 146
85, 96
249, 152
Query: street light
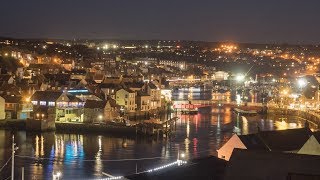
57, 175
100, 118
240, 77
302, 82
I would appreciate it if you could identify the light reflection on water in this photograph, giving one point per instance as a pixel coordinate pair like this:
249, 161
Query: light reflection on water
86, 156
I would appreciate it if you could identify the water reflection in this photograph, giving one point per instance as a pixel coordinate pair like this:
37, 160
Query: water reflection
87, 156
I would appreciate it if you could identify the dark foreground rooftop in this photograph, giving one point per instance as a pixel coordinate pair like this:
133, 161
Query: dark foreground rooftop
253, 165
205, 169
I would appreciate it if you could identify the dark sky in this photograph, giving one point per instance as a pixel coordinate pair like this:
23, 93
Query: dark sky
261, 21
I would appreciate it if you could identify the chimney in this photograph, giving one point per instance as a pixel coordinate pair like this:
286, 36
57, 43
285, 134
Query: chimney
306, 125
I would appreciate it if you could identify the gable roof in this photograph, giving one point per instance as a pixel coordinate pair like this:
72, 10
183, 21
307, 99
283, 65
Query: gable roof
73, 98
46, 96
285, 140
142, 93
92, 104
134, 84
152, 86
12, 99
5, 77
109, 86
253, 165
317, 135
253, 142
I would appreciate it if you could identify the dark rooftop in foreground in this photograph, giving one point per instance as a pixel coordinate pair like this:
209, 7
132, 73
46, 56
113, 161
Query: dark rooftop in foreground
253, 165
207, 168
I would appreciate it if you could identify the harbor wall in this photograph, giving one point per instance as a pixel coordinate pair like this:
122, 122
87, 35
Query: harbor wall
308, 115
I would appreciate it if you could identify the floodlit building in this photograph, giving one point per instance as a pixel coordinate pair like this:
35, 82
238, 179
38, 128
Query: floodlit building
67, 107
100, 111
127, 99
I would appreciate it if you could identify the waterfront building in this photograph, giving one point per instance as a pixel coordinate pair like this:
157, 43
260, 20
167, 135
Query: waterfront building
67, 107
127, 99
100, 111
220, 76
12, 106
155, 93
84, 94
143, 101
43, 119
221, 95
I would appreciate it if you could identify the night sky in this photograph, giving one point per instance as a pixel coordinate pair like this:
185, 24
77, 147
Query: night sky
260, 21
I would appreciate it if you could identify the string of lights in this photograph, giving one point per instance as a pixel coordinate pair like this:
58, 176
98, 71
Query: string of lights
178, 163
5, 164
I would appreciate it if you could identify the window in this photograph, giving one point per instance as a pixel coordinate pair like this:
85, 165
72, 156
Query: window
125, 102
51, 103
126, 96
34, 102
43, 103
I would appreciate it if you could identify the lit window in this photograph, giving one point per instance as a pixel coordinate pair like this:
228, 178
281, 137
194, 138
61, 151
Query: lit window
34, 102
43, 103
51, 103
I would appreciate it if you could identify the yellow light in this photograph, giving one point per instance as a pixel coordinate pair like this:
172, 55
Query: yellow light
28, 99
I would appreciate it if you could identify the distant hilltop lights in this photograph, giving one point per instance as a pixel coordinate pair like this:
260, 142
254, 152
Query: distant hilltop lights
227, 48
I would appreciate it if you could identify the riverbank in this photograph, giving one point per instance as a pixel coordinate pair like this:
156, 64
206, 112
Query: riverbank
95, 128
82, 128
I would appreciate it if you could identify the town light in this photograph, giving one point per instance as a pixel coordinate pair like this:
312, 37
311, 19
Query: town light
106, 46
57, 175
28, 99
100, 117
240, 77
302, 82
